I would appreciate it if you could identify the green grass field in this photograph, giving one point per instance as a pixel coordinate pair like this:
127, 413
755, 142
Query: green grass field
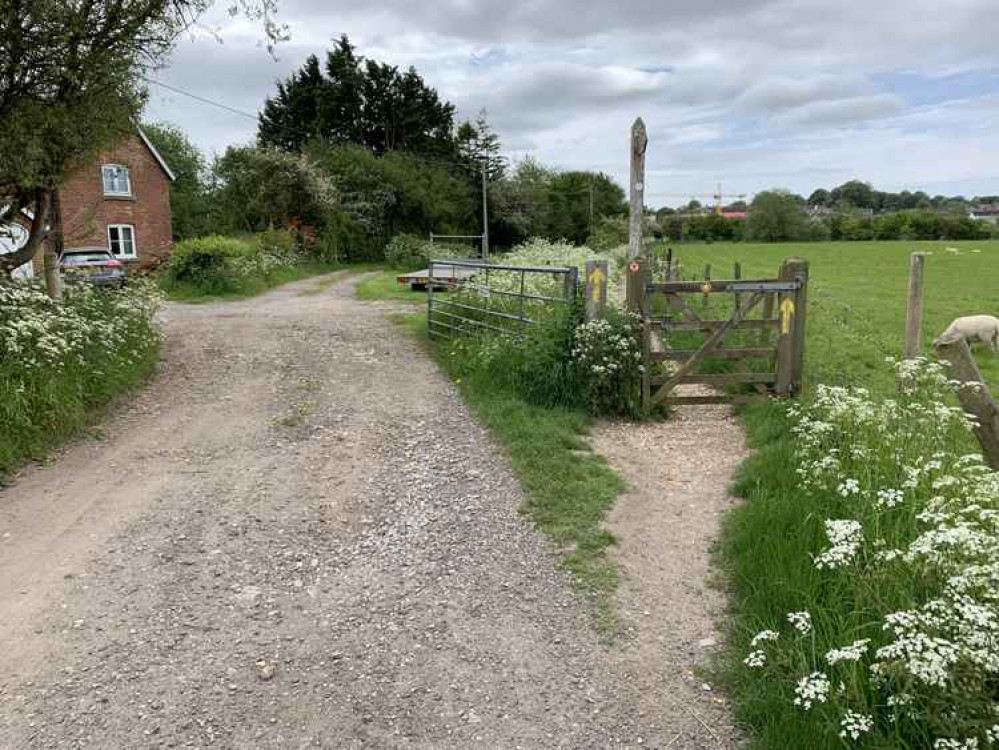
857, 291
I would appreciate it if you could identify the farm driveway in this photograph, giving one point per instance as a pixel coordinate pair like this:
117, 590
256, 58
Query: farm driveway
296, 536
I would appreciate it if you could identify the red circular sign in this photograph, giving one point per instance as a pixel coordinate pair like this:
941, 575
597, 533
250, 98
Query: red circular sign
634, 266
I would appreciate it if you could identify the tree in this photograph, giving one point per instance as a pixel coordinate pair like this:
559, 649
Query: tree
263, 188
775, 216
480, 144
298, 112
70, 85
856, 194
188, 192
820, 198
357, 101
571, 197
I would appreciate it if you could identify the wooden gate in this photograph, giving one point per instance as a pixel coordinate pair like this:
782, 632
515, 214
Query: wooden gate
772, 311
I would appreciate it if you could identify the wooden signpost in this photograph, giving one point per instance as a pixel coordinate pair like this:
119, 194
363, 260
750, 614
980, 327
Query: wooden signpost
639, 143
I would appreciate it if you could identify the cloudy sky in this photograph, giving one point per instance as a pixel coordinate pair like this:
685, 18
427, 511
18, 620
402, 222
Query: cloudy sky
749, 93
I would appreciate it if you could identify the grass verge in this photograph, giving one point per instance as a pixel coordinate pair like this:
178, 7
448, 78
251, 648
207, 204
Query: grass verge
73, 361
855, 320
384, 285
569, 488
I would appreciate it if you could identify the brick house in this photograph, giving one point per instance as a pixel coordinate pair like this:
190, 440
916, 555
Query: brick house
120, 202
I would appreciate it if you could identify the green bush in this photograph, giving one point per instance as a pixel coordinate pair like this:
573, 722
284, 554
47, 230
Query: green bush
610, 232
280, 243
207, 264
607, 359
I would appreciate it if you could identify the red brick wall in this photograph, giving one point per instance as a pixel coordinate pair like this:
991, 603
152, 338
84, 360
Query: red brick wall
86, 211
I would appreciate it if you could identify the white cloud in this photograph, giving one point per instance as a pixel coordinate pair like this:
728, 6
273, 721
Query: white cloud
747, 92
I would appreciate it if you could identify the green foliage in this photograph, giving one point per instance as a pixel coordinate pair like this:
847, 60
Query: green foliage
607, 357
713, 227
263, 188
60, 363
407, 252
609, 232
775, 216
360, 102
189, 200
906, 225
207, 264
398, 193
218, 266
536, 201
480, 145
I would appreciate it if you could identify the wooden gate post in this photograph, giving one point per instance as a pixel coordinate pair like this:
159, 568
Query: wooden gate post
976, 400
914, 308
791, 308
596, 288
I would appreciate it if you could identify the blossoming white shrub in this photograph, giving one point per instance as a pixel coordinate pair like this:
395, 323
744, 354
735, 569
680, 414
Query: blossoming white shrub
608, 361
912, 525
538, 251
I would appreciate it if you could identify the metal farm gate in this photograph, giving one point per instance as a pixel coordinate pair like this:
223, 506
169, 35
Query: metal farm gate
766, 316
496, 299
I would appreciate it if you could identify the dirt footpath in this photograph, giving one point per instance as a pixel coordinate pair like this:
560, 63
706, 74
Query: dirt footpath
297, 537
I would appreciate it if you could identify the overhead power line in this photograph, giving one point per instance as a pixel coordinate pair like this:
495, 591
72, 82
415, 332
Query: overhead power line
202, 99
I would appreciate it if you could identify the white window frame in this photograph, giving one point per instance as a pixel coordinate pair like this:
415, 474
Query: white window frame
135, 244
119, 169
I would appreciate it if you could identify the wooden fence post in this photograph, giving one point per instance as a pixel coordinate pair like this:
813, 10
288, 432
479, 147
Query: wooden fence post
737, 274
596, 288
791, 308
636, 218
914, 308
975, 399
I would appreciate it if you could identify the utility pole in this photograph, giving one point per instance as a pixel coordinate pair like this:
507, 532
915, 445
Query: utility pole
485, 215
591, 205
639, 143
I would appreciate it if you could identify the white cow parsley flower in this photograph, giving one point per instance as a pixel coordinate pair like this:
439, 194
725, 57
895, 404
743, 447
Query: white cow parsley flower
853, 652
855, 724
801, 621
764, 635
813, 688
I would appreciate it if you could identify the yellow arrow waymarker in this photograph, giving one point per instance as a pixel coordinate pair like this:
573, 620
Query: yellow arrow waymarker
786, 311
596, 279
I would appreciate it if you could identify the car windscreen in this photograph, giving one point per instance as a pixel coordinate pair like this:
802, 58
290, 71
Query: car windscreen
84, 259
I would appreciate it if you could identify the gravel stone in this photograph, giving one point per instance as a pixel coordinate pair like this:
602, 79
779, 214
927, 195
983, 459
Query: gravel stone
297, 536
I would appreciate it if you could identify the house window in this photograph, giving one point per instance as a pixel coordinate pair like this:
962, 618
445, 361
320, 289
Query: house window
121, 240
117, 181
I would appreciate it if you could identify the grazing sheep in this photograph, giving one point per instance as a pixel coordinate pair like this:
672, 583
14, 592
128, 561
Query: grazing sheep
985, 328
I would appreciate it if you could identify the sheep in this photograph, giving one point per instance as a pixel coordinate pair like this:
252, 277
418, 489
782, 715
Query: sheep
985, 328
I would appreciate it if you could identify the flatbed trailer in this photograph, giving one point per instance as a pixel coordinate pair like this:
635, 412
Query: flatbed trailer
445, 277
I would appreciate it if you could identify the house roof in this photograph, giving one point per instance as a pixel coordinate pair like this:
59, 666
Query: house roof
159, 159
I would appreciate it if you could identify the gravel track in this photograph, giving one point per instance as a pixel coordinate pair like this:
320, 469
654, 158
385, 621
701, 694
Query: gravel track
297, 536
